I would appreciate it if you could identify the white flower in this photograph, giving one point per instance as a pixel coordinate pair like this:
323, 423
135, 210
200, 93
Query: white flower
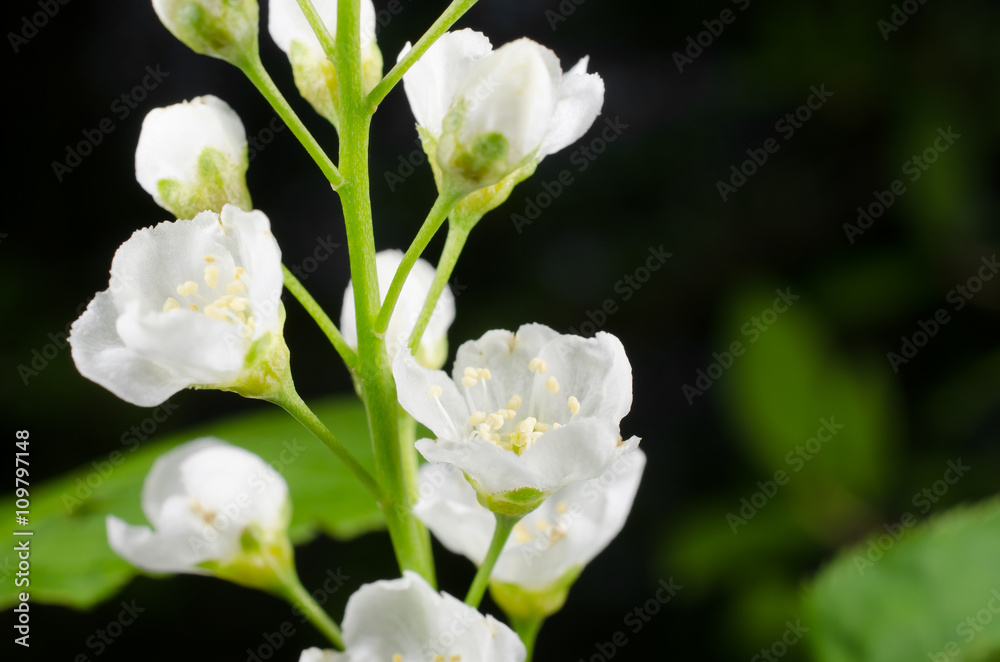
485, 114
203, 500
405, 619
314, 74
189, 303
433, 350
226, 29
192, 157
562, 535
524, 414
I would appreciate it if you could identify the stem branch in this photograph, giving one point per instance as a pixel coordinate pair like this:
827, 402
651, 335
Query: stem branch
454, 12
322, 320
505, 524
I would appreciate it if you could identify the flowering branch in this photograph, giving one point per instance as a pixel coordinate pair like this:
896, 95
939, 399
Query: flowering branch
453, 245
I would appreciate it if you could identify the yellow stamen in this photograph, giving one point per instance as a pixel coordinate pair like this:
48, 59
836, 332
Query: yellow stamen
187, 287
573, 404
436, 391
552, 384
171, 304
212, 275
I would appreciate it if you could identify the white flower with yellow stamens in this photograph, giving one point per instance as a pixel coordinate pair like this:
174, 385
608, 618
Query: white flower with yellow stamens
189, 303
209, 516
524, 414
405, 620
559, 537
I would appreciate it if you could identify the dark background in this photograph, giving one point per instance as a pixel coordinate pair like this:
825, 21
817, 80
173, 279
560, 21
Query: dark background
652, 185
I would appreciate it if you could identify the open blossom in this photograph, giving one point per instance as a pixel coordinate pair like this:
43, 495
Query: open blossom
204, 500
404, 619
226, 29
561, 536
189, 303
315, 76
524, 414
433, 349
488, 114
192, 157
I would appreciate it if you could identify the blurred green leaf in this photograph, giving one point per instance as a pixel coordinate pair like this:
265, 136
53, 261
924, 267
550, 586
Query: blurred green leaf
933, 594
803, 406
71, 563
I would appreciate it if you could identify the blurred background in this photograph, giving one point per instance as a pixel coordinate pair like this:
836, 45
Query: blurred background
825, 179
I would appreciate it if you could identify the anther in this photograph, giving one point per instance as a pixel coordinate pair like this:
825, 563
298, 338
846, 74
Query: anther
538, 365
171, 304
514, 402
212, 275
477, 418
436, 391
552, 384
187, 287
573, 404
210, 258
561, 508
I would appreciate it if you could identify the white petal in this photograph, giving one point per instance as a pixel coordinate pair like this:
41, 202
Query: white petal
164, 478
287, 23
575, 361
514, 92
141, 547
572, 526
446, 414
431, 83
173, 138
581, 96
319, 655
581, 450
496, 470
449, 508
407, 617
507, 356
102, 357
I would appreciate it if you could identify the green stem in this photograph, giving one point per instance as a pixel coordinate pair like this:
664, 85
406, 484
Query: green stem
322, 320
299, 597
435, 218
454, 12
254, 70
527, 629
289, 400
319, 28
505, 524
453, 245
410, 539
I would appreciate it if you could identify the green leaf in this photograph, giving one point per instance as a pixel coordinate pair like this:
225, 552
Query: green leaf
71, 563
933, 594
803, 406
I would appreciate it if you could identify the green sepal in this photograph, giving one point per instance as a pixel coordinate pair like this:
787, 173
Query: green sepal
229, 33
515, 503
524, 604
265, 562
478, 202
219, 182
316, 80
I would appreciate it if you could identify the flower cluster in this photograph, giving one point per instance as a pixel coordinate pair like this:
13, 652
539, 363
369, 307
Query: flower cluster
528, 474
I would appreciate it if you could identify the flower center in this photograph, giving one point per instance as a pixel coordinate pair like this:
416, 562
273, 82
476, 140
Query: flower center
224, 301
437, 658
516, 426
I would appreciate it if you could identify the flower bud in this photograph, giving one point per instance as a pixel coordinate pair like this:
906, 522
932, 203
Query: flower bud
226, 29
192, 157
